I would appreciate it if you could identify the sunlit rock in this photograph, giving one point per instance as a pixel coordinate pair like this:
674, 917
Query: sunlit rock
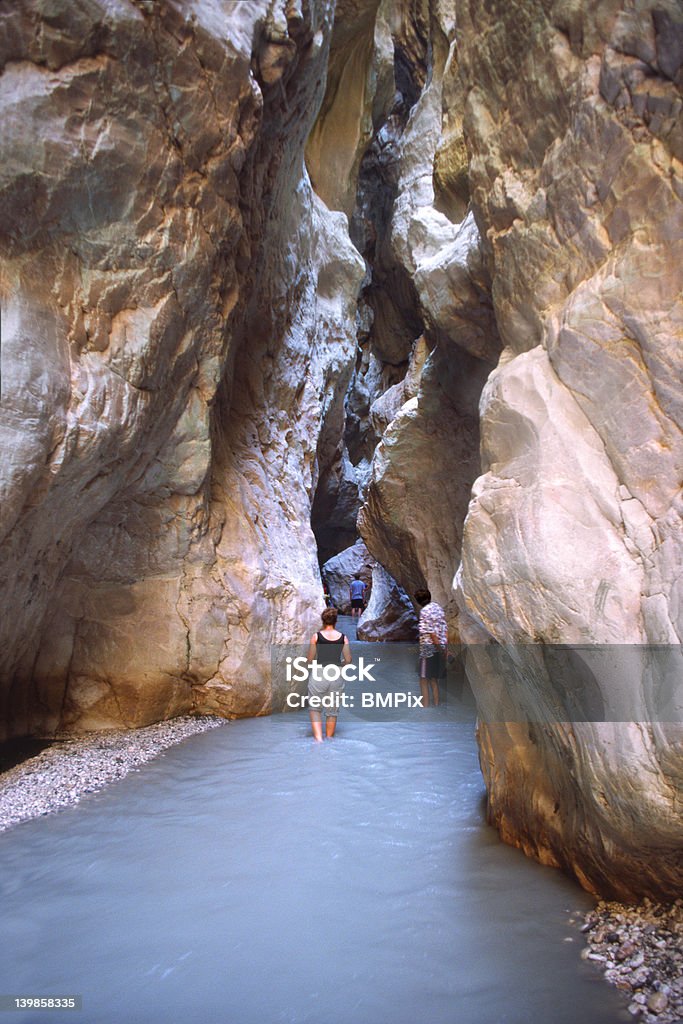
175, 317
573, 534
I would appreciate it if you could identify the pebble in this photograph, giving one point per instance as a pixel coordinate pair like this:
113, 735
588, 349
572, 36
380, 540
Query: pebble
627, 950
640, 951
657, 1002
67, 771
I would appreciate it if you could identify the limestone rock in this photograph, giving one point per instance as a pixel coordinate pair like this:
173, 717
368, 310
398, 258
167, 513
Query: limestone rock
338, 572
573, 534
427, 459
390, 614
451, 161
176, 348
547, 478
385, 408
419, 490
188, 369
442, 257
359, 87
336, 505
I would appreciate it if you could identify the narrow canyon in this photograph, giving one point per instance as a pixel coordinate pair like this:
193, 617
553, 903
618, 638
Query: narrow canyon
292, 290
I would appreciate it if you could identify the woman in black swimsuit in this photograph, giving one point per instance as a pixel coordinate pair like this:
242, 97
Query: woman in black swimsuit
328, 647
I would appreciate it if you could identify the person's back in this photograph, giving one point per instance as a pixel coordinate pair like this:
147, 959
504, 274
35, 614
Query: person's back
433, 629
357, 596
433, 637
329, 648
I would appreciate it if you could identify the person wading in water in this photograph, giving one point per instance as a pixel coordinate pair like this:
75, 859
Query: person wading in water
433, 634
357, 596
328, 647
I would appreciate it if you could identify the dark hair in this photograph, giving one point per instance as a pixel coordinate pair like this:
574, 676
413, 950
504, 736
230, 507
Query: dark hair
329, 616
422, 597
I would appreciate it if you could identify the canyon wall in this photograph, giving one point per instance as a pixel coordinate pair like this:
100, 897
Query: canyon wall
573, 535
176, 347
527, 198
272, 273
426, 329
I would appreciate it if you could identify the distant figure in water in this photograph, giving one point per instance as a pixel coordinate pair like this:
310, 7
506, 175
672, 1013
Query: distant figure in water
328, 647
433, 635
357, 596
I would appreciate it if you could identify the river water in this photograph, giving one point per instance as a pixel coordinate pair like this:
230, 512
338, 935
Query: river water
250, 876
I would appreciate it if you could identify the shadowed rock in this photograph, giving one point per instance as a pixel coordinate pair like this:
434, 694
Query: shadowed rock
175, 303
390, 614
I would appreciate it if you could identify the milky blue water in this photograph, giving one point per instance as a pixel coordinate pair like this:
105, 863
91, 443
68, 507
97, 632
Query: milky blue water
249, 876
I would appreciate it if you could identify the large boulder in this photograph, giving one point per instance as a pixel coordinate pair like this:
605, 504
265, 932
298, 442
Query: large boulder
390, 614
338, 572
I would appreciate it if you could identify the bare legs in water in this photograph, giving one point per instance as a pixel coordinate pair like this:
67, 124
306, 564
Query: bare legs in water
317, 726
425, 684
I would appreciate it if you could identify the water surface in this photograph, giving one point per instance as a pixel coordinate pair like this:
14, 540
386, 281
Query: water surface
249, 876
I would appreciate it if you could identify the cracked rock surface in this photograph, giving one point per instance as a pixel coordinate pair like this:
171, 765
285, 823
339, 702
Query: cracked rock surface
573, 533
175, 314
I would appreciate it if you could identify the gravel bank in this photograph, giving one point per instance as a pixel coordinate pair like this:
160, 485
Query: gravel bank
68, 770
640, 950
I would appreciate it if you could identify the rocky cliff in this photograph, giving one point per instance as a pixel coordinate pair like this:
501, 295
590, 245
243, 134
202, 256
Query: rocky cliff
176, 345
272, 272
427, 333
573, 534
527, 197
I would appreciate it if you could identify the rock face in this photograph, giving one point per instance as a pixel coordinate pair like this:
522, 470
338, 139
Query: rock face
428, 457
352, 171
389, 614
573, 534
425, 325
272, 272
562, 246
338, 572
175, 310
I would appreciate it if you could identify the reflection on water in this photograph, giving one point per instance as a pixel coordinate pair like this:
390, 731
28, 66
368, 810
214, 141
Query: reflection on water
249, 876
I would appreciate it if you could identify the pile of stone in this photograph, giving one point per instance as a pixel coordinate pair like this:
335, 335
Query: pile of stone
640, 951
69, 770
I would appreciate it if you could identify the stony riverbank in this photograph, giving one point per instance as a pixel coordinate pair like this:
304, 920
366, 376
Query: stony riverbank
640, 951
65, 772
